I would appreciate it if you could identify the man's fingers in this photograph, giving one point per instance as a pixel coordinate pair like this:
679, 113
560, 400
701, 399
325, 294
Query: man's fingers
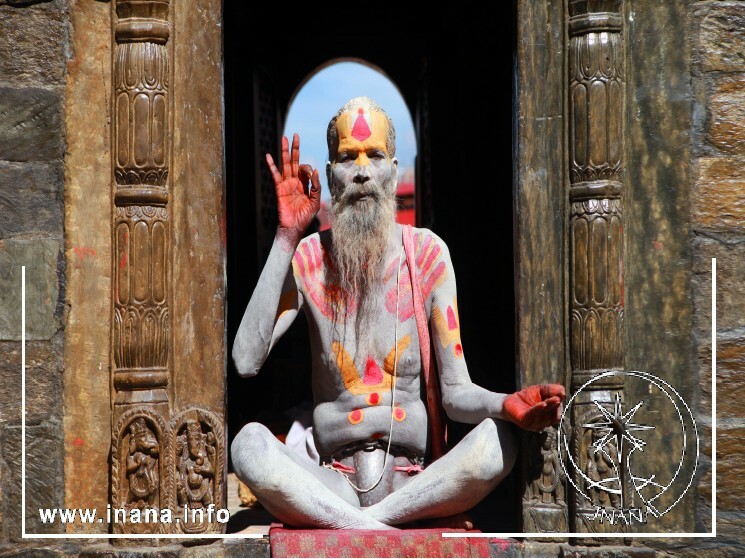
304, 173
295, 157
550, 390
315, 190
273, 170
286, 167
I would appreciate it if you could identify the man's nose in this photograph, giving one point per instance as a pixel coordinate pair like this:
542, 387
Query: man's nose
361, 174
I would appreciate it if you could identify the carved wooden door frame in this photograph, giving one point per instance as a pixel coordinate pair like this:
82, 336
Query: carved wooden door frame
167, 364
569, 245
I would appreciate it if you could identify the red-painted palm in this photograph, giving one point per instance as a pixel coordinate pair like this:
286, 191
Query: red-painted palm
536, 407
297, 205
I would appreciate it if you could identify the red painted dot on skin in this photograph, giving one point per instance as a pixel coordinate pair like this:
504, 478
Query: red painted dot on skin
355, 416
399, 414
458, 350
373, 399
77, 441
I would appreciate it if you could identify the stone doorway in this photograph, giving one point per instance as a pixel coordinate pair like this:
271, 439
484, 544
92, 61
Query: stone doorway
464, 174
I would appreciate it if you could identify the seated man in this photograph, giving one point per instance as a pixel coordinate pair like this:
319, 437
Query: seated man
370, 419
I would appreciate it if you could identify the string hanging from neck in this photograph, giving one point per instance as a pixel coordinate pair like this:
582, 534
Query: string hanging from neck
393, 385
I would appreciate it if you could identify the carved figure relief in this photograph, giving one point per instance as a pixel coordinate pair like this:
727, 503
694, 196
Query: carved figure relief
544, 498
141, 468
546, 476
199, 469
142, 465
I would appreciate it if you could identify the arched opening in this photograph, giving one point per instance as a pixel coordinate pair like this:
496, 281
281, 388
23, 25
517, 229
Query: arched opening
463, 175
321, 95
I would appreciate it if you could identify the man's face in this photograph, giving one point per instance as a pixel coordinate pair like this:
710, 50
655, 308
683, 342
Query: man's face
363, 169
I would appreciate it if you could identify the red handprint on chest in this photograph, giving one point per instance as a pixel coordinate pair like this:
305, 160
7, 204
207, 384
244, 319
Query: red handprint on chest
431, 271
309, 264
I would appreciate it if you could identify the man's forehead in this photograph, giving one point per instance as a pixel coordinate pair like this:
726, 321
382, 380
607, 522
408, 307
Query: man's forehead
362, 126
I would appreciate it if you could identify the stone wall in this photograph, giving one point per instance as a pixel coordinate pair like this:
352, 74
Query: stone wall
33, 52
718, 225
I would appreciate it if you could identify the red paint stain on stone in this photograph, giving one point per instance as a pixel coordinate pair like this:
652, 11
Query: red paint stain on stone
123, 260
82, 252
77, 441
657, 244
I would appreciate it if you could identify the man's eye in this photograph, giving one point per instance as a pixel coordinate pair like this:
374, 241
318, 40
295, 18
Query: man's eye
375, 154
346, 156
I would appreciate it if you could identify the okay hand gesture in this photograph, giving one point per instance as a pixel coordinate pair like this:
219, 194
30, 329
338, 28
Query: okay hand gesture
296, 204
536, 407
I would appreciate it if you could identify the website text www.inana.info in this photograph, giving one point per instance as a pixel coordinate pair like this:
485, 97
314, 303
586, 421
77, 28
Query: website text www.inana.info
120, 515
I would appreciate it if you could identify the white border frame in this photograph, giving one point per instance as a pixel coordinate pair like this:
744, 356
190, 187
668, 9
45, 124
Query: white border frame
504, 535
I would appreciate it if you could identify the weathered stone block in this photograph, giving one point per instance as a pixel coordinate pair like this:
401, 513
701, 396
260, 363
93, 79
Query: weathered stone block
40, 257
730, 470
728, 543
22, 2
44, 476
31, 198
103, 550
721, 35
30, 125
33, 45
605, 551
730, 285
726, 120
730, 379
43, 381
55, 548
718, 198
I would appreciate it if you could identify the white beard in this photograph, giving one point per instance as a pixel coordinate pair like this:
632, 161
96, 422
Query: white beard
360, 230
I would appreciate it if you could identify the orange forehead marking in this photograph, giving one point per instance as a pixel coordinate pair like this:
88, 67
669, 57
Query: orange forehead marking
355, 134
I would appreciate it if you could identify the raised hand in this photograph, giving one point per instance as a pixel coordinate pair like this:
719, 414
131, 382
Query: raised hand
536, 407
297, 204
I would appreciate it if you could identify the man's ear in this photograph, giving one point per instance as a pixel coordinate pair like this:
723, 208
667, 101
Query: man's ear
328, 172
394, 171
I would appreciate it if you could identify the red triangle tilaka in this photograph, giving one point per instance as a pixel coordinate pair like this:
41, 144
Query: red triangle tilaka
361, 130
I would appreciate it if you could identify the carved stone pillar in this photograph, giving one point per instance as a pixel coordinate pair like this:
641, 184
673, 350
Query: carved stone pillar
142, 449
596, 300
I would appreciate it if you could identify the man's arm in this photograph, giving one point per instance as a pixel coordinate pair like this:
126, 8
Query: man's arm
277, 299
533, 408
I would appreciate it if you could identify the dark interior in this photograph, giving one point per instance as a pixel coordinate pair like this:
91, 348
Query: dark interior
455, 69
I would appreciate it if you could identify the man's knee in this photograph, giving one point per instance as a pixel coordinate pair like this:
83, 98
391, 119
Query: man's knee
250, 450
495, 447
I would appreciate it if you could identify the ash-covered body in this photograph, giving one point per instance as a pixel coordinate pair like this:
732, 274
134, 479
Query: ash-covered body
353, 284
